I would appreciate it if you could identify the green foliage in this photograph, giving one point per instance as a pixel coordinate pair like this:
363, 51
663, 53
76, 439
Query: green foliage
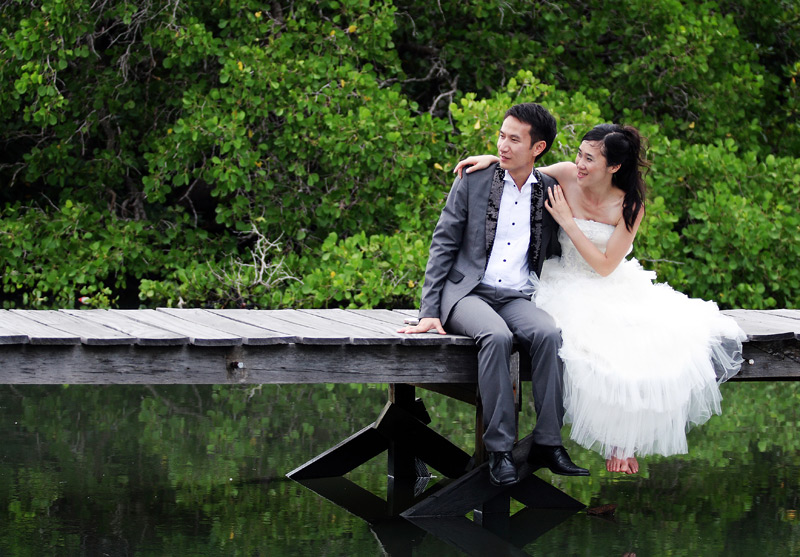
774, 31
235, 154
677, 64
53, 257
354, 272
220, 282
724, 225
364, 272
308, 143
477, 121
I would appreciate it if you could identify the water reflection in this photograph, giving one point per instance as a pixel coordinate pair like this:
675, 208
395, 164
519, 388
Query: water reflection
90, 470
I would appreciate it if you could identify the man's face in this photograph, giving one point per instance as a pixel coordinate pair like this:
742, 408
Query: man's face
514, 147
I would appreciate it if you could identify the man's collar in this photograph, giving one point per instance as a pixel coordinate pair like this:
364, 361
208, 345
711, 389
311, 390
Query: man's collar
531, 179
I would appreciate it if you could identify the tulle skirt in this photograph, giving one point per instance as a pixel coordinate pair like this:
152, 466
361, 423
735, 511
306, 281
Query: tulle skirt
642, 362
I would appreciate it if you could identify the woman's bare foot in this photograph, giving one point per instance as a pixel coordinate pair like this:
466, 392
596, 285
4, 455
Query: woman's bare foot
620, 465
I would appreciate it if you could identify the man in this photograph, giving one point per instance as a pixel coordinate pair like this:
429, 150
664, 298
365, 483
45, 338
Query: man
492, 232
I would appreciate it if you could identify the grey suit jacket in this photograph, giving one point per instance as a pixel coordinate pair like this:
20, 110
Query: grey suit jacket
464, 235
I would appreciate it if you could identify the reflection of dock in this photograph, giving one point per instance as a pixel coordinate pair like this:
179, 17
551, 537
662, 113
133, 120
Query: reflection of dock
184, 346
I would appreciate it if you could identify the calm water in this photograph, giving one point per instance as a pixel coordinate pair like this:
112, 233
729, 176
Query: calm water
181, 470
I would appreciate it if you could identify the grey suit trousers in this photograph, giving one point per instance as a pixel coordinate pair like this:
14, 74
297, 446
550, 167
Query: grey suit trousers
496, 318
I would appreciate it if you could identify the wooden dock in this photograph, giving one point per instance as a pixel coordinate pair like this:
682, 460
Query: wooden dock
285, 346
205, 346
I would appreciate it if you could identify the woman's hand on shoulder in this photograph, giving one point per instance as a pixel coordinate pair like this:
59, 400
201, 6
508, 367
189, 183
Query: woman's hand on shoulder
475, 162
556, 204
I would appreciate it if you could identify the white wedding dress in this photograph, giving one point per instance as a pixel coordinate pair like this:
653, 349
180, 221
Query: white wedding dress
642, 362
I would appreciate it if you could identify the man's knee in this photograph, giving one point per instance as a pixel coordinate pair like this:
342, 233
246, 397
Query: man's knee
550, 335
543, 333
496, 338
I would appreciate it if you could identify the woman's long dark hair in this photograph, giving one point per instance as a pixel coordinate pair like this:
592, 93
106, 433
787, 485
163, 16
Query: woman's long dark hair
622, 145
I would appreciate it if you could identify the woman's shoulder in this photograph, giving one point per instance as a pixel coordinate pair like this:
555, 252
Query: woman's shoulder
558, 166
563, 172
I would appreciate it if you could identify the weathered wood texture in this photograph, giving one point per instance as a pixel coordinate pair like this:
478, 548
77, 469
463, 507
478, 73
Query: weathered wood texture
286, 346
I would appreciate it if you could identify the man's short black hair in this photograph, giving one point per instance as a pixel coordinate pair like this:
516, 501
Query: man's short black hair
543, 124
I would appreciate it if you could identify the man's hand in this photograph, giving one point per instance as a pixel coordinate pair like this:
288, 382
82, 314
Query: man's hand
425, 324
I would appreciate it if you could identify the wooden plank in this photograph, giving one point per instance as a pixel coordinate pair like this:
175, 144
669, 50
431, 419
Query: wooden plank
786, 318
299, 363
326, 321
342, 362
90, 333
404, 467
188, 364
343, 457
418, 439
395, 318
770, 361
763, 326
119, 320
303, 334
458, 497
115, 364
199, 335
376, 327
407, 312
226, 321
35, 331
788, 313
465, 392
9, 335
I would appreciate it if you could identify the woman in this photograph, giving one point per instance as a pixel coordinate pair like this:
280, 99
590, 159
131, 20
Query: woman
642, 362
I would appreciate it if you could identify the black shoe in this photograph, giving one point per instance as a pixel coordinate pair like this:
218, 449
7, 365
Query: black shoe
502, 470
556, 459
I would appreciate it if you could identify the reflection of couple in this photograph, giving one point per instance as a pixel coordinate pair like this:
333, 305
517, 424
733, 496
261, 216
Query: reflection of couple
641, 362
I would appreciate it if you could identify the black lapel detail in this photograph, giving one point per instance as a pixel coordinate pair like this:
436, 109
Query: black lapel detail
493, 208
537, 219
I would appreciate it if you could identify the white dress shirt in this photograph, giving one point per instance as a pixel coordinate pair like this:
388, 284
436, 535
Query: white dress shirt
508, 262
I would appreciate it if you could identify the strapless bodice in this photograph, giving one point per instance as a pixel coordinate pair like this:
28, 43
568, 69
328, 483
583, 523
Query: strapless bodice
597, 232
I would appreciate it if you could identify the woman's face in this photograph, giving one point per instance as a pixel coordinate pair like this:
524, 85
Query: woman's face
592, 164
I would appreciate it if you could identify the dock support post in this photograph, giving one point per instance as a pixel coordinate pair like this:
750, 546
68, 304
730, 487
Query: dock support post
402, 462
402, 428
